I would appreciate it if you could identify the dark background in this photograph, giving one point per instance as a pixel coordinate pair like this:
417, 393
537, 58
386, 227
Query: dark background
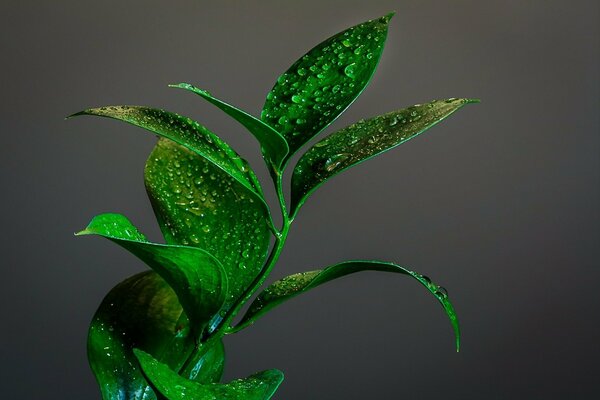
499, 203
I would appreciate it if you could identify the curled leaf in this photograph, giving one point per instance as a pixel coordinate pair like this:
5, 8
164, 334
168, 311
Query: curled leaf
294, 285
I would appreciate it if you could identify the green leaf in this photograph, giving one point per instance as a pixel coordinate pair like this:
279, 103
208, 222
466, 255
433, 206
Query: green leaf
199, 205
274, 146
296, 284
195, 275
143, 311
363, 140
259, 386
318, 87
188, 133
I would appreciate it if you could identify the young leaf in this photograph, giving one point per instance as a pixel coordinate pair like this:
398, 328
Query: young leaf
259, 386
363, 140
143, 311
198, 205
188, 133
273, 145
296, 284
195, 275
318, 87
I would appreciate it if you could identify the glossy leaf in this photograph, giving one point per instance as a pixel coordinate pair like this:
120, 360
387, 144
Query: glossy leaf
274, 146
259, 386
143, 311
363, 140
318, 87
195, 275
188, 133
199, 205
294, 285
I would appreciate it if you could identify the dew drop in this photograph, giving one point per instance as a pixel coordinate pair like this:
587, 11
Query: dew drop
334, 161
350, 70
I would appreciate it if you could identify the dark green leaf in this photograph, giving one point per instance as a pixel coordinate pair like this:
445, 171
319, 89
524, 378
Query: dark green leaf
363, 140
195, 275
273, 145
198, 205
187, 133
318, 87
296, 284
143, 312
259, 386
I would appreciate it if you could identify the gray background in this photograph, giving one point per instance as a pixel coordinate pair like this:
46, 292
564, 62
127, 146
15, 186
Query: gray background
499, 203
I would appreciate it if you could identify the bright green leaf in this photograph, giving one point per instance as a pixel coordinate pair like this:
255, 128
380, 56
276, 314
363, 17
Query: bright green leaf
318, 87
143, 312
296, 284
259, 386
363, 140
198, 205
188, 133
195, 275
273, 145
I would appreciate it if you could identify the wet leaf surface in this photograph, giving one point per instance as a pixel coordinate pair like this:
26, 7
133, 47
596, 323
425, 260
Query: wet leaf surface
188, 133
318, 87
196, 276
199, 205
259, 386
363, 140
273, 145
143, 312
294, 285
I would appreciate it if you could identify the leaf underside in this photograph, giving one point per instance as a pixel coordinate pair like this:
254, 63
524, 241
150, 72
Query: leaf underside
143, 312
259, 386
199, 205
294, 285
362, 141
318, 87
196, 277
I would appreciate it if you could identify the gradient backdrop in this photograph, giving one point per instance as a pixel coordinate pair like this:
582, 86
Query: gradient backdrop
499, 203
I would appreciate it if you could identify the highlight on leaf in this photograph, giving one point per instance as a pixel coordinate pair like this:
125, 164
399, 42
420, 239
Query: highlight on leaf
294, 285
364, 140
318, 87
165, 381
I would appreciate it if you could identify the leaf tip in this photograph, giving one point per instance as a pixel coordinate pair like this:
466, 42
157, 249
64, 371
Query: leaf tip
84, 112
386, 18
472, 101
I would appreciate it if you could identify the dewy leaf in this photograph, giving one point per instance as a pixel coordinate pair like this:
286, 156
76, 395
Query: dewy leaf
318, 87
199, 205
188, 133
363, 140
296, 284
143, 312
195, 275
259, 386
274, 146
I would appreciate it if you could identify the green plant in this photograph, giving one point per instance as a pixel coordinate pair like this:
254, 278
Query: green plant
158, 334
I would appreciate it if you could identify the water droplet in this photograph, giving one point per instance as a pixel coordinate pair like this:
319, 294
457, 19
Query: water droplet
296, 98
346, 42
334, 161
350, 70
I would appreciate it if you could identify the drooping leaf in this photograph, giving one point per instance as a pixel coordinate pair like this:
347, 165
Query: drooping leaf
195, 275
363, 140
294, 285
318, 87
198, 205
143, 312
274, 146
187, 133
259, 386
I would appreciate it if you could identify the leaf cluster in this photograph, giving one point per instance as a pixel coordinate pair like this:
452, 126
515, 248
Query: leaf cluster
158, 334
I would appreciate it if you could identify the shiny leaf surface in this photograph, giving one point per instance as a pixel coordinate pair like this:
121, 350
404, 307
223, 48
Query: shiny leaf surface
143, 312
259, 386
318, 87
199, 205
273, 145
363, 140
195, 275
188, 133
294, 285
